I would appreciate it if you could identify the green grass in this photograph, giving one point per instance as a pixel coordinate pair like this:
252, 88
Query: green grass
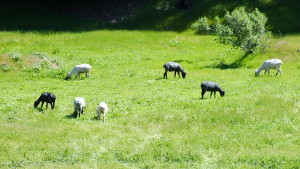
152, 122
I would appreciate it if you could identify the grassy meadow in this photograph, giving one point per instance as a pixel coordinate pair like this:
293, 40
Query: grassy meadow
152, 122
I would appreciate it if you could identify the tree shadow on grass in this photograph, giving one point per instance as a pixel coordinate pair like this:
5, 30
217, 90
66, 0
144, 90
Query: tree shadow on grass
236, 64
179, 61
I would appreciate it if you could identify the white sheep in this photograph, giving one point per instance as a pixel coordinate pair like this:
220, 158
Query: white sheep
83, 68
270, 64
79, 105
102, 109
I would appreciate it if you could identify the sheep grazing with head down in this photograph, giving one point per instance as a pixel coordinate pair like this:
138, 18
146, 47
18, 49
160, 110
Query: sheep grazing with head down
102, 109
79, 105
173, 66
46, 97
270, 64
213, 87
78, 69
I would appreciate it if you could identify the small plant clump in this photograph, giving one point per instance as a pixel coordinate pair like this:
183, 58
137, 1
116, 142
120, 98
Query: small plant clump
6, 67
15, 56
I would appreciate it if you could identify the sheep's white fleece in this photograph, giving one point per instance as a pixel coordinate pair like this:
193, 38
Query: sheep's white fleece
83, 68
79, 104
102, 109
270, 64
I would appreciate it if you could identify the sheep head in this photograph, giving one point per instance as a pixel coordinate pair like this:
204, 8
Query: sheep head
222, 93
183, 74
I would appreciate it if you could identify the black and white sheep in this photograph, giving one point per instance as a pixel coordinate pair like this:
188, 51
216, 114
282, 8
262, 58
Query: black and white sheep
102, 109
270, 64
79, 105
173, 66
46, 97
78, 69
211, 86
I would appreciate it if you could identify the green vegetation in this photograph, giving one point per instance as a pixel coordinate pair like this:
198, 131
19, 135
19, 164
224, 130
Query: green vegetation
152, 122
242, 29
76, 16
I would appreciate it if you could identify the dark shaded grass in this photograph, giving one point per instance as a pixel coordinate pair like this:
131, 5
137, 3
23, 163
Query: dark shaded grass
78, 16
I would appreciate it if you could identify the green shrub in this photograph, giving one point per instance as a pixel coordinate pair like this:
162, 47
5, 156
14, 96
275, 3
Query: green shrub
242, 29
201, 25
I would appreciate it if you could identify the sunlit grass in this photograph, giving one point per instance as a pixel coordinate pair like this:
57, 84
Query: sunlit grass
152, 122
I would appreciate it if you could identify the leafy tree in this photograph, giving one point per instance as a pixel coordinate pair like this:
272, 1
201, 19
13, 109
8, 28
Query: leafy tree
242, 29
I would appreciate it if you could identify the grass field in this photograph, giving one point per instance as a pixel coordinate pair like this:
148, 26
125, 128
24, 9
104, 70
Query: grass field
152, 122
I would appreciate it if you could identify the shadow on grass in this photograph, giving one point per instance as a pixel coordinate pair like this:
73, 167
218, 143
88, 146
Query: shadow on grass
160, 78
41, 110
180, 61
70, 116
236, 64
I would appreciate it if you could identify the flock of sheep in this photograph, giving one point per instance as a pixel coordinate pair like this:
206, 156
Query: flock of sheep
79, 102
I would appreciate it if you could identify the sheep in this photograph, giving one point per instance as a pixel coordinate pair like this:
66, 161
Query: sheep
211, 86
173, 66
83, 68
79, 105
270, 64
102, 109
46, 97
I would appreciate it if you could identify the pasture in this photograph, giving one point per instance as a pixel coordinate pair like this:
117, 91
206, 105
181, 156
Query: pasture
152, 122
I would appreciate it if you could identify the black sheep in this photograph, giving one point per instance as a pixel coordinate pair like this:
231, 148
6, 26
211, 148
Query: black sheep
46, 97
173, 66
211, 86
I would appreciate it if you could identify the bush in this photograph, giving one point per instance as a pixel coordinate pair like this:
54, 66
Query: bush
240, 29
201, 25
246, 29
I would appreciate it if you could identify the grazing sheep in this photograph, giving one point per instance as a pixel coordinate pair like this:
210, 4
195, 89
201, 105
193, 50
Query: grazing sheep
102, 109
79, 105
270, 64
46, 97
83, 68
211, 86
173, 66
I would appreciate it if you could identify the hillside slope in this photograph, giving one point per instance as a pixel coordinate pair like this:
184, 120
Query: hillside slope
175, 15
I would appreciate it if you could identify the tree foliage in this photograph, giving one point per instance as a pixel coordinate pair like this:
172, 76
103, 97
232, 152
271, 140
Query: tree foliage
242, 29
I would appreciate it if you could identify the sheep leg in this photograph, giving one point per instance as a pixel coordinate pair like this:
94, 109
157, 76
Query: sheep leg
53, 104
215, 93
178, 73
279, 71
165, 75
42, 104
202, 93
75, 113
174, 74
211, 93
265, 72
